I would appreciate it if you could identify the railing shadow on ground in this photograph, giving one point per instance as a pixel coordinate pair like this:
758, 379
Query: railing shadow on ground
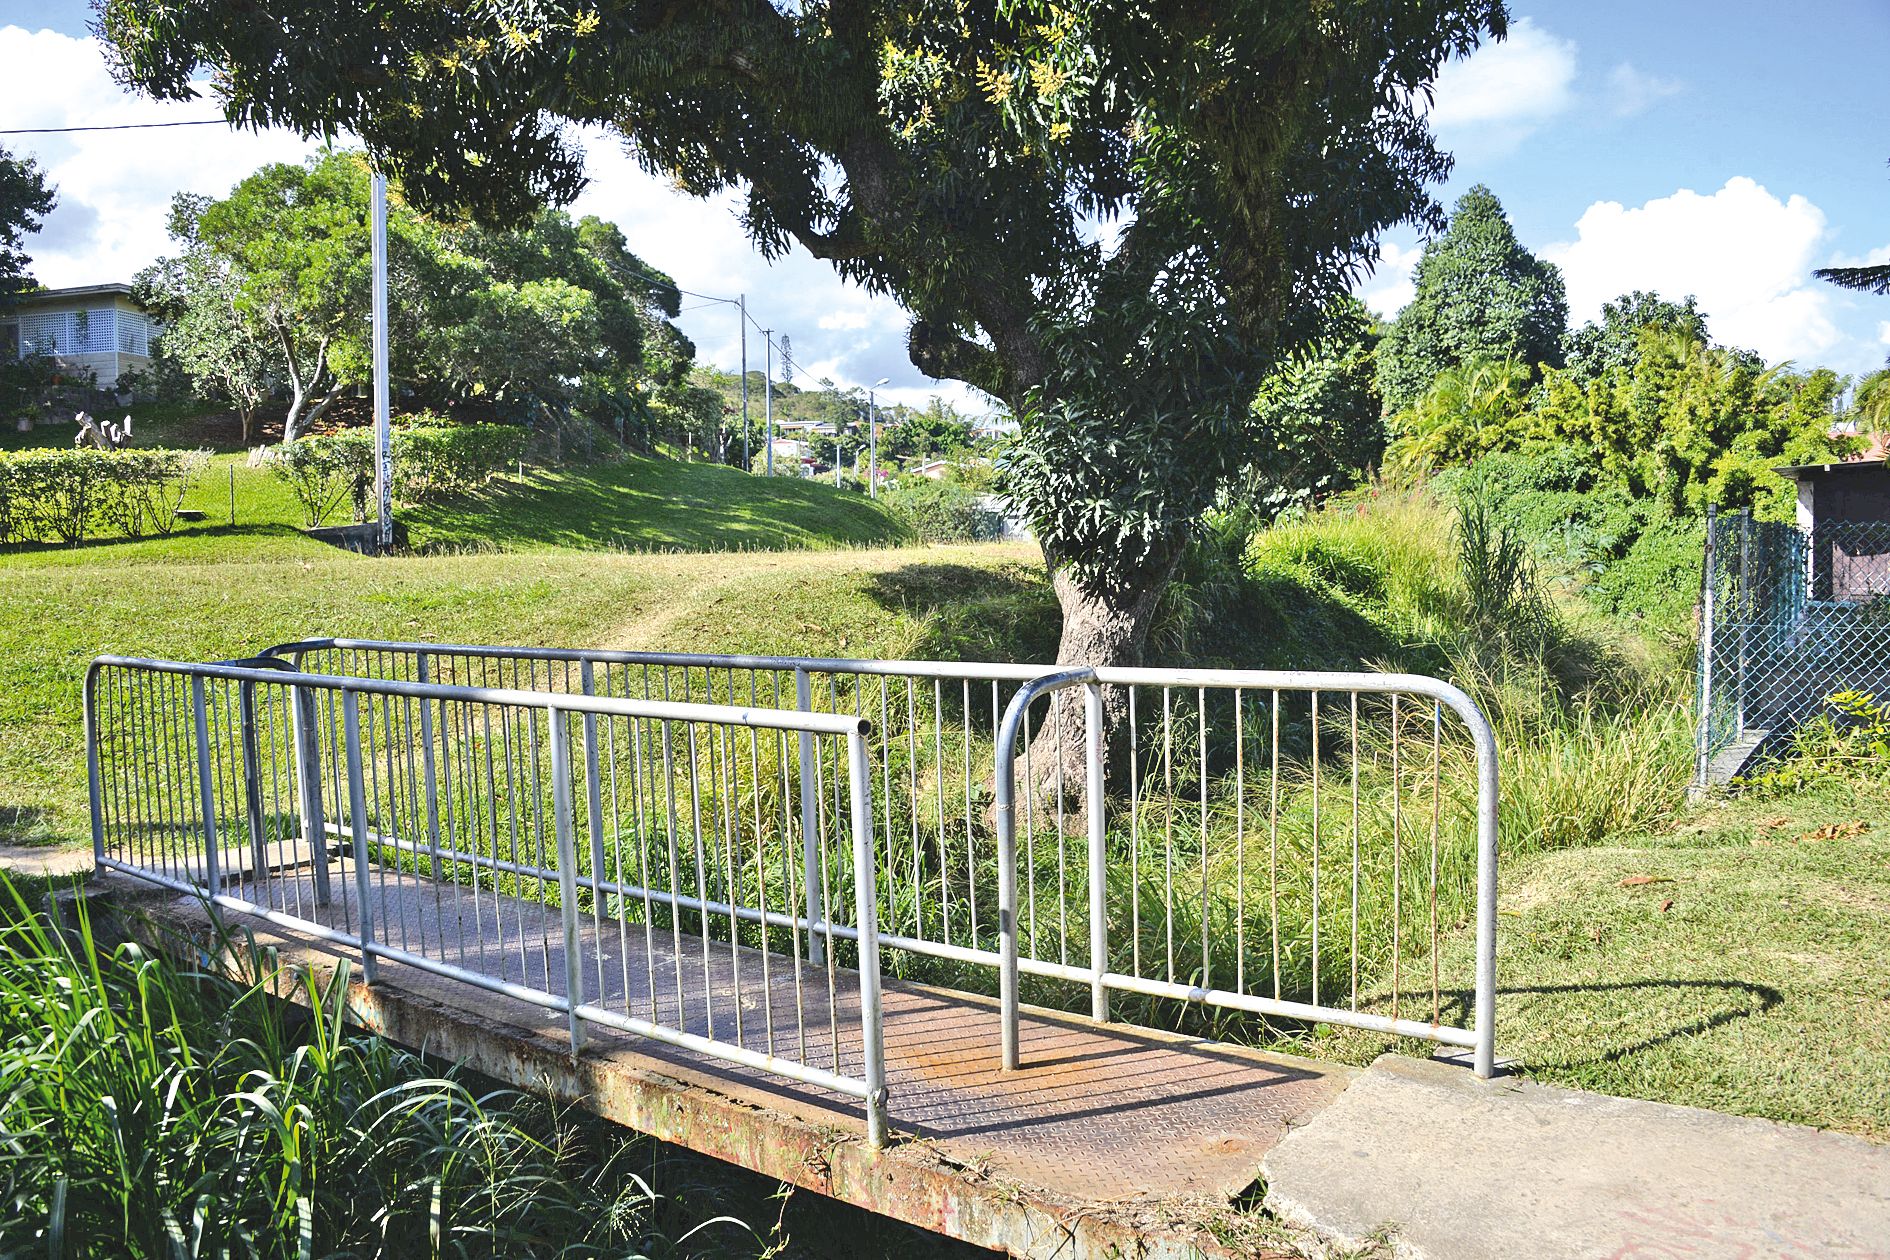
1762, 998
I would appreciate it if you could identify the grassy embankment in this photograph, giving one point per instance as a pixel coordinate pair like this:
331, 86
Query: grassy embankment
1757, 989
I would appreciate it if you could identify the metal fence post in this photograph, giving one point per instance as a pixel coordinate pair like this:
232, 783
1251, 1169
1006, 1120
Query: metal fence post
810, 823
94, 785
866, 920
1005, 809
561, 818
1703, 751
593, 794
308, 778
1484, 1060
429, 768
358, 821
252, 778
207, 788
1743, 620
1098, 852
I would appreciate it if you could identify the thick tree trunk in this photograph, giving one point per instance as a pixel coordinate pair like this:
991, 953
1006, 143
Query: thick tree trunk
1103, 625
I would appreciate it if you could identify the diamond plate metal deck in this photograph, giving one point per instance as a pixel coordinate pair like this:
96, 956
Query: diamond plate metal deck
1099, 1112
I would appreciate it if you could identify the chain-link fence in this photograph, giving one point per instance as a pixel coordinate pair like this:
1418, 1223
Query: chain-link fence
1789, 616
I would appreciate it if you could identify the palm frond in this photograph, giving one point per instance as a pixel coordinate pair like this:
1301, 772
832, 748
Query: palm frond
1873, 279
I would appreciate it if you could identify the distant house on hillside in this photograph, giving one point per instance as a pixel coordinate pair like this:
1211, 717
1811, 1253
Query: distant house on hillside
93, 326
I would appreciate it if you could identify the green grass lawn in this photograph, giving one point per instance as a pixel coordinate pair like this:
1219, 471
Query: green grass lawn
1736, 960
210, 597
634, 504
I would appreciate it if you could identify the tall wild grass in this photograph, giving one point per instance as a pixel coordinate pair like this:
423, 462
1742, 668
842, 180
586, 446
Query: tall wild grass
153, 1110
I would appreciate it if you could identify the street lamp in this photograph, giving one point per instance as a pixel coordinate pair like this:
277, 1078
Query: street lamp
872, 440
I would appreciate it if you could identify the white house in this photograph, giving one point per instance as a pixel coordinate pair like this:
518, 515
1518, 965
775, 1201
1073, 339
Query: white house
95, 326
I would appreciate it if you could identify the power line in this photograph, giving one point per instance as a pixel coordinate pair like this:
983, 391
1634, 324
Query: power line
64, 131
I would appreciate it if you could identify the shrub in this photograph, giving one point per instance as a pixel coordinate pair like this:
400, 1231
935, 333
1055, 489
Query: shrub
323, 473
432, 462
940, 511
1849, 740
84, 493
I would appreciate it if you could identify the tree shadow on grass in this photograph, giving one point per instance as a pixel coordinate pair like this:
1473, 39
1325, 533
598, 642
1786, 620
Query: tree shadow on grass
974, 613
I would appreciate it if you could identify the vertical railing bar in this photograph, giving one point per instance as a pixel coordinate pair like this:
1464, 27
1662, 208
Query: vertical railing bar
912, 811
1273, 846
675, 876
558, 733
810, 802
1437, 806
1201, 773
1030, 837
593, 811
1316, 904
1098, 852
1397, 869
971, 857
430, 770
701, 862
1354, 754
938, 767
357, 810
1168, 825
207, 789
252, 785
789, 864
1057, 706
1135, 837
865, 898
1240, 840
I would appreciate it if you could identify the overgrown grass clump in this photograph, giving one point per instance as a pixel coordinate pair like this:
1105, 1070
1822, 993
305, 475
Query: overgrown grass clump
156, 1110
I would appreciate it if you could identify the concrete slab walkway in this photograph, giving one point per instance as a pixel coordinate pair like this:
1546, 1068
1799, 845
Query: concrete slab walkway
1452, 1168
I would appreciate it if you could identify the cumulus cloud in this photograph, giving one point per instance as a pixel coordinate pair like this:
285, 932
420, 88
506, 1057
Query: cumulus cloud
1744, 252
114, 186
1491, 101
115, 189
1631, 91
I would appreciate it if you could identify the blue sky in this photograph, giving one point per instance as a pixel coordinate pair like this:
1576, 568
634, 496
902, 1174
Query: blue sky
1722, 149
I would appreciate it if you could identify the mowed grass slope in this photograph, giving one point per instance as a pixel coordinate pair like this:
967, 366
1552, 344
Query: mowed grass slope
146, 599
633, 504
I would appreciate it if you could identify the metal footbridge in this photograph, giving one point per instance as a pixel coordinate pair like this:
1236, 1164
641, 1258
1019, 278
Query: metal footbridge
1004, 921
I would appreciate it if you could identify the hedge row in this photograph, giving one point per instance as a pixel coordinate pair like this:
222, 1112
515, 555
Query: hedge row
85, 493
323, 473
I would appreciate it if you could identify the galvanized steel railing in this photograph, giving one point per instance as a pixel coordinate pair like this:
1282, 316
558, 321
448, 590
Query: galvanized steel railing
648, 866
1276, 771
1215, 874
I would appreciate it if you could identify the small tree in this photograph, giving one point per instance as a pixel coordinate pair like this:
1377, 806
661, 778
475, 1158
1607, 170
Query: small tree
1480, 295
206, 335
290, 246
25, 198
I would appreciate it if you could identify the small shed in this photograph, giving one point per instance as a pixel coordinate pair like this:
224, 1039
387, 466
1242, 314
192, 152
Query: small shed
1844, 515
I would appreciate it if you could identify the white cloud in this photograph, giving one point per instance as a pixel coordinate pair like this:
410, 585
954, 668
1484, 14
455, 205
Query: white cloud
114, 186
1394, 280
1883, 332
1630, 91
1743, 252
115, 190
1494, 99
